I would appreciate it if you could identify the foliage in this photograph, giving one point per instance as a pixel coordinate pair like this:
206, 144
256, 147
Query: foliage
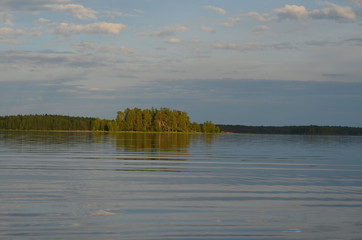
156, 120
146, 120
45, 122
297, 130
209, 127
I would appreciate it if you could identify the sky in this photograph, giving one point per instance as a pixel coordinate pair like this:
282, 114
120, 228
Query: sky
252, 62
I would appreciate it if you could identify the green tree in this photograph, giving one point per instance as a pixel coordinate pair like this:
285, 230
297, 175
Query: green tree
147, 120
209, 127
195, 127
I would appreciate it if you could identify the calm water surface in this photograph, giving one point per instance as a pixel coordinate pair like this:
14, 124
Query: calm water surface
176, 186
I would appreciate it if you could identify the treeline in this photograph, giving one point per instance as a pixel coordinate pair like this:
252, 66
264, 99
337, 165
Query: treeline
153, 120
146, 120
45, 122
296, 130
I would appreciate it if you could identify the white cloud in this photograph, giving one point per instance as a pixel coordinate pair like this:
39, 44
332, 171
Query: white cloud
261, 17
43, 20
177, 28
226, 46
5, 31
9, 31
76, 10
174, 40
295, 12
6, 34
11, 41
232, 21
216, 9
292, 12
166, 31
208, 29
334, 12
67, 29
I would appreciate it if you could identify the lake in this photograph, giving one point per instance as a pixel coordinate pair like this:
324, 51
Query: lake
179, 186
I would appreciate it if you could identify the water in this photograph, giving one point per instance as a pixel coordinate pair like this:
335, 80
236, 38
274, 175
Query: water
176, 186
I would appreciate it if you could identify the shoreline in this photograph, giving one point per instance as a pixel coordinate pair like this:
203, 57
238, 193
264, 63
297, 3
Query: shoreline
92, 131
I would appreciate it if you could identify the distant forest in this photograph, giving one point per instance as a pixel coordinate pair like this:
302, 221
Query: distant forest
146, 120
156, 120
294, 130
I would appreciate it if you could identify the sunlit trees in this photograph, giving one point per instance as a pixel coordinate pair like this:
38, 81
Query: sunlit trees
157, 120
209, 127
46, 122
136, 119
147, 120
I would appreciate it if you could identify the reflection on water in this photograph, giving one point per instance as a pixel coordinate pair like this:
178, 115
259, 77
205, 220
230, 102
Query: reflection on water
148, 142
179, 186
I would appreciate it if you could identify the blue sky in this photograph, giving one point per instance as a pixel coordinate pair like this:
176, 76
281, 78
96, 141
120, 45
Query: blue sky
232, 62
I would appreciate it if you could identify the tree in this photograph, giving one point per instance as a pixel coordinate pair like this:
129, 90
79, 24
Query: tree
147, 120
195, 127
209, 127
121, 123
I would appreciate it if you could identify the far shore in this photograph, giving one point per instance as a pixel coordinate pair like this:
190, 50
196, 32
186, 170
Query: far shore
108, 132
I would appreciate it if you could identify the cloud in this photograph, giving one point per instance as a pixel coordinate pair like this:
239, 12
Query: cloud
216, 9
292, 12
88, 47
238, 47
354, 41
261, 17
116, 13
43, 20
52, 61
174, 40
29, 5
318, 43
76, 10
18, 32
298, 13
138, 11
166, 31
6, 18
67, 29
261, 28
8, 35
334, 12
5, 31
359, 40
11, 41
251, 46
336, 75
232, 21
208, 29
357, 2
31, 58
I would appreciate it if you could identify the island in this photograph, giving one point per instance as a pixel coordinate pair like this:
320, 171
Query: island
157, 120
136, 119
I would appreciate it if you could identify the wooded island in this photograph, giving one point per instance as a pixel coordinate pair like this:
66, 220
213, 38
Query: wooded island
141, 120
157, 120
